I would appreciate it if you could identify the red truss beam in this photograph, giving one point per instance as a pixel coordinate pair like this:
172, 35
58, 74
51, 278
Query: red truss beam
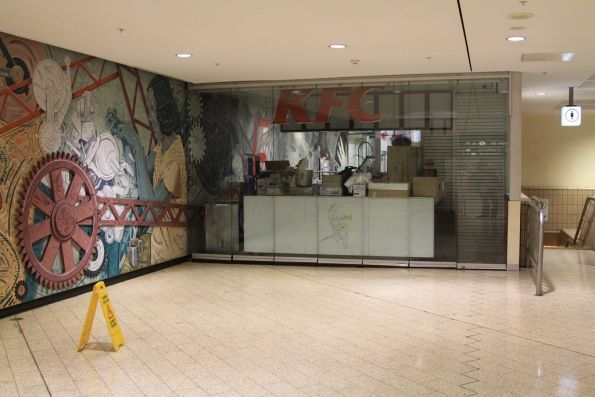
28, 112
132, 97
97, 81
131, 212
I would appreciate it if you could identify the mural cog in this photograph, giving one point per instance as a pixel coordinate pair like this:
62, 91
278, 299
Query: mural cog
18, 56
96, 265
21, 290
195, 107
9, 269
4, 166
197, 143
58, 225
53, 92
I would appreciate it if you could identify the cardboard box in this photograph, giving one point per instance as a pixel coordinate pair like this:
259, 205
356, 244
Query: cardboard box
388, 193
402, 163
388, 189
331, 190
332, 180
428, 186
301, 191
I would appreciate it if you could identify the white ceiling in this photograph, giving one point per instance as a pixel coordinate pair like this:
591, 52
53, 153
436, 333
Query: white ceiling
256, 40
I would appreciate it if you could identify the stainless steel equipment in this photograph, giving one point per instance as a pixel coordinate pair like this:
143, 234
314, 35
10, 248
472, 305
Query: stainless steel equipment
303, 178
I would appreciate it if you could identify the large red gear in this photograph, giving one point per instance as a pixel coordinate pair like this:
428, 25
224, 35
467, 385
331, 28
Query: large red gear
60, 189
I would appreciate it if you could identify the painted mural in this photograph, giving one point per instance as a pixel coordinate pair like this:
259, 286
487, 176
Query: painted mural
100, 164
93, 162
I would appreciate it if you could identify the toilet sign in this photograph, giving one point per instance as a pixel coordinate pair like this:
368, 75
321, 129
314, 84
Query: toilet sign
571, 116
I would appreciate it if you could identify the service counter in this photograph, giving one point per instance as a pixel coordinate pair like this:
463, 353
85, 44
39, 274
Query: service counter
339, 226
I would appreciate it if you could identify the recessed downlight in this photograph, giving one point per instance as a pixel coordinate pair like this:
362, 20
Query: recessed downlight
541, 93
183, 55
337, 46
520, 16
567, 56
516, 38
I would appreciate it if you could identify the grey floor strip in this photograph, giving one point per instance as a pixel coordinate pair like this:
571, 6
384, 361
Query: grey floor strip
17, 321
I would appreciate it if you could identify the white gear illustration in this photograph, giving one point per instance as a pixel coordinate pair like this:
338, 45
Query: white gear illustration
108, 232
96, 263
51, 86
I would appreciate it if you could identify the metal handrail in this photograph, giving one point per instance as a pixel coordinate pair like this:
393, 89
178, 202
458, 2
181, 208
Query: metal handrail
535, 226
584, 223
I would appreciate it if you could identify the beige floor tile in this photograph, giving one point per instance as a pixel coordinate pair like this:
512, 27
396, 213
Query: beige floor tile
8, 389
262, 330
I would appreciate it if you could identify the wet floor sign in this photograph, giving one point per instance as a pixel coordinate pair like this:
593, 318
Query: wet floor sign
100, 295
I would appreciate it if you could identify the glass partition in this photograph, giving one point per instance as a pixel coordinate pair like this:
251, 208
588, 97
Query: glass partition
398, 173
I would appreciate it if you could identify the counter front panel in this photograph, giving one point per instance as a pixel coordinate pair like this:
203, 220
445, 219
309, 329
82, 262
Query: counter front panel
339, 226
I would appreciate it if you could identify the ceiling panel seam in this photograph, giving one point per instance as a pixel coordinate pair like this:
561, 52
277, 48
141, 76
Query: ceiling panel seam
465, 35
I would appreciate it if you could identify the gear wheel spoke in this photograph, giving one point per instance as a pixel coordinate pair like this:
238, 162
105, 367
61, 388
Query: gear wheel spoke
85, 210
59, 216
50, 253
74, 188
67, 257
57, 184
81, 238
42, 201
40, 230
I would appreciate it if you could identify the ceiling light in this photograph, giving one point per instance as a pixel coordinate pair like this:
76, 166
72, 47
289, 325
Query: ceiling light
541, 93
515, 38
520, 16
337, 46
183, 55
547, 57
567, 56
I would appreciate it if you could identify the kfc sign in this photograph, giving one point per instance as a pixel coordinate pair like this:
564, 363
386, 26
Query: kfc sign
293, 101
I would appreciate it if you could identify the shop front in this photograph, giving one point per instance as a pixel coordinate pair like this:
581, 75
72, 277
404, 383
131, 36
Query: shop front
393, 173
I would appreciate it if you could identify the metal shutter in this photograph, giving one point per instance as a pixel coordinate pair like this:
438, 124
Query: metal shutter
480, 175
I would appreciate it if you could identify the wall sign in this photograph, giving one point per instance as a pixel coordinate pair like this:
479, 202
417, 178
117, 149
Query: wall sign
570, 116
294, 101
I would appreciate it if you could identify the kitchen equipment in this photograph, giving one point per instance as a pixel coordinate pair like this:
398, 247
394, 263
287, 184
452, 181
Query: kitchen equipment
277, 165
303, 178
402, 163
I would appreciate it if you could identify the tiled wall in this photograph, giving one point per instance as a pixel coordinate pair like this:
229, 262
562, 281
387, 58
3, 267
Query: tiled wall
565, 208
565, 205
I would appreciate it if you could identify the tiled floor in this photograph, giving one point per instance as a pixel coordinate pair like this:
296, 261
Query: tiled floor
252, 330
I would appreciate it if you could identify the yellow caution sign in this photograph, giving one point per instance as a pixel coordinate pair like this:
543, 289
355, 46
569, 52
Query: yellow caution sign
100, 295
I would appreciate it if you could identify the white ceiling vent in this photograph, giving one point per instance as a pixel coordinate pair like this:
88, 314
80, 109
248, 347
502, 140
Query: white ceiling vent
587, 85
548, 57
